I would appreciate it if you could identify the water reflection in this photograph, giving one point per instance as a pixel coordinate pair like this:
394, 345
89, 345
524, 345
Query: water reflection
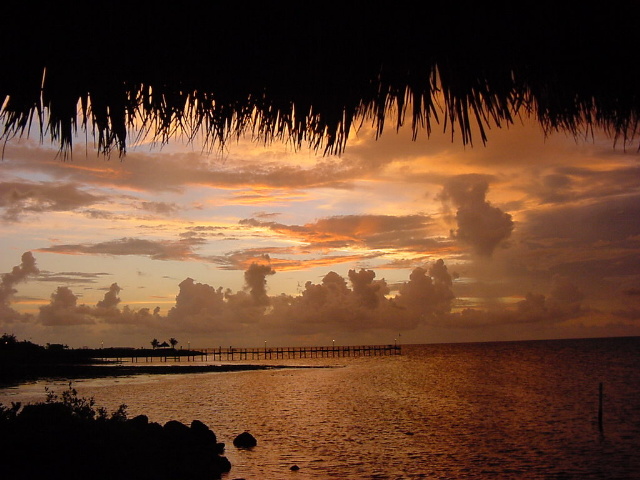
525, 410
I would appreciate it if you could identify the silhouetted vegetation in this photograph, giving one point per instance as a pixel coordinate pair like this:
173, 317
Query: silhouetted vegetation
9, 343
69, 437
155, 343
17, 358
280, 71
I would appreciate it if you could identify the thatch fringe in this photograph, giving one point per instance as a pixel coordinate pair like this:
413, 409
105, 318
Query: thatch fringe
278, 74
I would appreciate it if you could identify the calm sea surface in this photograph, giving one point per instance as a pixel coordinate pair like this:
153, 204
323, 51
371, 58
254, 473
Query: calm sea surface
514, 410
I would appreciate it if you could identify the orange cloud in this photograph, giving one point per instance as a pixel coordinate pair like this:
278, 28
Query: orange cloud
366, 231
276, 257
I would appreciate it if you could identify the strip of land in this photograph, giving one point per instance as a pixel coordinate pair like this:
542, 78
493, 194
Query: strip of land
12, 374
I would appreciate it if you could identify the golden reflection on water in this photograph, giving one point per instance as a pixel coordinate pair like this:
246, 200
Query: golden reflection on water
500, 411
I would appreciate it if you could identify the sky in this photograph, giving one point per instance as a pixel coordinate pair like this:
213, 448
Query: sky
526, 237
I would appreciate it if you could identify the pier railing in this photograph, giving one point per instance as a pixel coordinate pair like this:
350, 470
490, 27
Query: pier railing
237, 353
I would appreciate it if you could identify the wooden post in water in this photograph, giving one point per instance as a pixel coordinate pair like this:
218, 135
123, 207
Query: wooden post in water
600, 426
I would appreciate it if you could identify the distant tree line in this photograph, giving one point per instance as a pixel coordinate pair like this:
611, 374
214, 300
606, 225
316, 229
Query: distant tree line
8, 341
156, 344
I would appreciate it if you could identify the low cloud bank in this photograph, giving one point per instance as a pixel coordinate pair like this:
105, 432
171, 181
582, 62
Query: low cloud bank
357, 304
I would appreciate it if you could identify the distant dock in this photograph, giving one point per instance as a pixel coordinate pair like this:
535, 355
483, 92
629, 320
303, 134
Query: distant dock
233, 353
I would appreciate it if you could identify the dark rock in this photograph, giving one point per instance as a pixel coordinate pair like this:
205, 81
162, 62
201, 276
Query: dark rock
154, 428
177, 432
245, 440
141, 421
174, 426
222, 464
197, 425
294, 468
202, 433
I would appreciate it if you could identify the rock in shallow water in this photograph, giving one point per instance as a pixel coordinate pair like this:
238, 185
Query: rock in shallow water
245, 440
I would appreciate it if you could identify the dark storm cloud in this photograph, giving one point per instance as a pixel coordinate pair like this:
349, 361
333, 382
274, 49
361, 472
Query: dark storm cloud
480, 225
564, 302
613, 220
571, 184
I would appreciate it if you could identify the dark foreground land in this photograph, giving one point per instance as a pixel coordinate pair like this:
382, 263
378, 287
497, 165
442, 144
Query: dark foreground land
69, 438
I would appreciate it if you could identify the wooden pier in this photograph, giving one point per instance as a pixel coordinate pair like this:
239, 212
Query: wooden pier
276, 353
237, 353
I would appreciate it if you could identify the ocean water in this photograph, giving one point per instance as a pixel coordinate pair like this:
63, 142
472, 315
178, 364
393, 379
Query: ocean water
508, 410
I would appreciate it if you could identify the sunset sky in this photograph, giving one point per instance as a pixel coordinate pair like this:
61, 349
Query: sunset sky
527, 237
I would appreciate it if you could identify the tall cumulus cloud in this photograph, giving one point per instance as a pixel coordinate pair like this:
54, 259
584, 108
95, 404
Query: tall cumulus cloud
19, 273
481, 225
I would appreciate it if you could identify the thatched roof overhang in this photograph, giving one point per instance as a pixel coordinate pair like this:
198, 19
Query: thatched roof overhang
279, 71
